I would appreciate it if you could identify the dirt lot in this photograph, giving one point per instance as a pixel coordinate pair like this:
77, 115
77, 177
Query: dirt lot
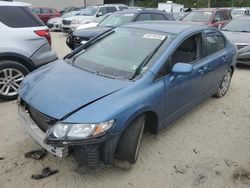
208, 147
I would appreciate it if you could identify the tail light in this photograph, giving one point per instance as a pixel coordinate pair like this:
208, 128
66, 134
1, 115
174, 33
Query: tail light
44, 33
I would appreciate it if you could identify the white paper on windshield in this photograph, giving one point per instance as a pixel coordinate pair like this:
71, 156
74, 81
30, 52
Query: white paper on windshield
154, 36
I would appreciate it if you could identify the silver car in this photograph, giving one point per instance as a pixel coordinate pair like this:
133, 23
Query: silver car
25, 45
238, 32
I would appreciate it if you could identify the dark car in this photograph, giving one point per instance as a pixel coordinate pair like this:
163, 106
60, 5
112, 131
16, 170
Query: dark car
209, 16
45, 13
80, 37
97, 102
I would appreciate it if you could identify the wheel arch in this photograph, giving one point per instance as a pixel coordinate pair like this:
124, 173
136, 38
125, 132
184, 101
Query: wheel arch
18, 58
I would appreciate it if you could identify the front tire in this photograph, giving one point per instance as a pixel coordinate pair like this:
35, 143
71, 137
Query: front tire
225, 84
128, 147
11, 75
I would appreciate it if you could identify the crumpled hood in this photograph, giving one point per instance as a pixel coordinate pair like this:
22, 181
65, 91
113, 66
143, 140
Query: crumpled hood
59, 88
237, 37
91, 32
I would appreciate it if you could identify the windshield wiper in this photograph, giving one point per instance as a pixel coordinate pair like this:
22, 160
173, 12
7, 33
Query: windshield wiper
245, 31
146, 60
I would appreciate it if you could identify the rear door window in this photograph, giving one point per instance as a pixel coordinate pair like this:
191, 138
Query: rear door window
156, 16
215, 42
18, 17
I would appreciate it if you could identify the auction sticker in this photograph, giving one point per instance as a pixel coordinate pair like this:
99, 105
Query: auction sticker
154, 36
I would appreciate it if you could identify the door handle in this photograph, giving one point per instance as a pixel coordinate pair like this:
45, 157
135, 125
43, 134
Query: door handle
202, 69
224, 58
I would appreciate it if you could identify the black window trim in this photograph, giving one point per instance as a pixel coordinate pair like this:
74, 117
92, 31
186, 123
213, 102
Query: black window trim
206, 32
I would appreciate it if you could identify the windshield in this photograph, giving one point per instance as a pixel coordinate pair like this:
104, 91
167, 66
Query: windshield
69, 14
89, 11
238, 26
117, 19
119, 54
198, 16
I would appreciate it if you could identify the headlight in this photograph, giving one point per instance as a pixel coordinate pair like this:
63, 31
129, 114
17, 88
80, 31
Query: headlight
75, 22
80, 131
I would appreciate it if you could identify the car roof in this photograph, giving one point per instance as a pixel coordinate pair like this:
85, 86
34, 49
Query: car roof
16, 4
173, 27
139, 11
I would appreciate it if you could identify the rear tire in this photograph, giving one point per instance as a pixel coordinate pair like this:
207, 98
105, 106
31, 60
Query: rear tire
225, 84
11, 76
128, 147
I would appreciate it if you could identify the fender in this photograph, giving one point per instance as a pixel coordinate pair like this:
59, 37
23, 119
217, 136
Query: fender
19, 58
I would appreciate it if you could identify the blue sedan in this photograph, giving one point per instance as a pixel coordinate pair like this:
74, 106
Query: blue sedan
97, 102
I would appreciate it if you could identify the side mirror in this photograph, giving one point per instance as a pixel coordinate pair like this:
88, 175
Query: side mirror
99, 14
182, 69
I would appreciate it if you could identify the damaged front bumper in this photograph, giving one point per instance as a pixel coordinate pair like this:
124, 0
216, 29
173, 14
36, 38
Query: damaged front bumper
37, 134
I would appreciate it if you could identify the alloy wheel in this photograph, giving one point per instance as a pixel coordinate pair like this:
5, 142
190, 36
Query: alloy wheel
10, 80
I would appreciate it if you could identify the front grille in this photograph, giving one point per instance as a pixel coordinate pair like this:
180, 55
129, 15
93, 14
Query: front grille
239, 47
66, 22
43, 122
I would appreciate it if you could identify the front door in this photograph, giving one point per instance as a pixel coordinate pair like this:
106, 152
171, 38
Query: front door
183, 92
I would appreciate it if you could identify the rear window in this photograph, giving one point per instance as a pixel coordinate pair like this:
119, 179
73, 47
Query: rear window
18, 17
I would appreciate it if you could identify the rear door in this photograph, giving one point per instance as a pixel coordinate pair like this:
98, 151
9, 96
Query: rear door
216, 58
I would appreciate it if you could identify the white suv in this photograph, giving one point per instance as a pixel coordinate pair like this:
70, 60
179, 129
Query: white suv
25, 45
90, 14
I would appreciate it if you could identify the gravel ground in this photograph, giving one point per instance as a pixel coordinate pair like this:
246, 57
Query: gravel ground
208, 147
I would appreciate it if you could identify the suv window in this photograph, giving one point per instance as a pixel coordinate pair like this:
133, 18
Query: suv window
156, 16
144, 17
214, 42
46, 11
111, 9
22, 17
218, 16
189, 50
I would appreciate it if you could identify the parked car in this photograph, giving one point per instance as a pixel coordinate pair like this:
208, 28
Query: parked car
212, 17
89, 14
25, 46
94, 23
80, 37
45, 13
56, 23
240, 12
238, 32
137, 77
